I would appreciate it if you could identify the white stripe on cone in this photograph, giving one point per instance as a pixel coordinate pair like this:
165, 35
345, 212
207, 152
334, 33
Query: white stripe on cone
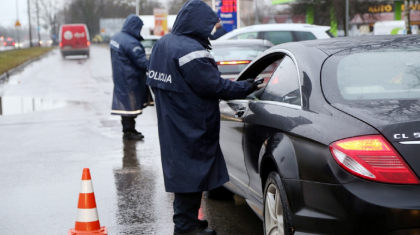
87, 215
87, 186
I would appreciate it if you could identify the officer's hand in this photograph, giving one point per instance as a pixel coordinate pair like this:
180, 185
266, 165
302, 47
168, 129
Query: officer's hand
254, 83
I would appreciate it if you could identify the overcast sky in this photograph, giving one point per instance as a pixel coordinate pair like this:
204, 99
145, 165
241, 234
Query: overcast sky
8, 12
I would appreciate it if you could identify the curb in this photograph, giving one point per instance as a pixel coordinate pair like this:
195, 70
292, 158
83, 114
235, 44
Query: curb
5, 76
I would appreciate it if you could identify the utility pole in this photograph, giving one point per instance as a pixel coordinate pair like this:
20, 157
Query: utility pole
37, 22
137, 7
347, 17
407, 9
29, 22
17, 25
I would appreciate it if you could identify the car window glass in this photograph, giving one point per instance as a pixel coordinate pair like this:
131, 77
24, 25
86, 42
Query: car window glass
252, 35
268, 71
284, 84
277, 37
303, 36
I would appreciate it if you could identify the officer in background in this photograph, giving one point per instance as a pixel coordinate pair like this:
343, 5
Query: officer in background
220, 31
187, 87
129, 65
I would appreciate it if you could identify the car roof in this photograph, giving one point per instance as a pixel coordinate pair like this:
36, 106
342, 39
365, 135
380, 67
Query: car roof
334, 45
277, 27
242, 42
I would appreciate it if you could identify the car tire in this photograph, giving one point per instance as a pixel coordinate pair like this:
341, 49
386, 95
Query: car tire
219, 193
276, 213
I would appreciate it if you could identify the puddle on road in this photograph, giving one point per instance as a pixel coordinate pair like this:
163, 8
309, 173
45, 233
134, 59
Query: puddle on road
10, 105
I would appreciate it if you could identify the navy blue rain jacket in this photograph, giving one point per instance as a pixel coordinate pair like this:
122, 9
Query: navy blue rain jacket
129, 65
219, 32
187, 87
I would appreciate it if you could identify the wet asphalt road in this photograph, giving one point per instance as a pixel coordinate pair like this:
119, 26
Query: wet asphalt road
55, 120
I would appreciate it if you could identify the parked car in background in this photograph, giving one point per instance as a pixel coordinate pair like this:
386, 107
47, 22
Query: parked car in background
74, 39
232, 56
280, 33
331, 145
148, 43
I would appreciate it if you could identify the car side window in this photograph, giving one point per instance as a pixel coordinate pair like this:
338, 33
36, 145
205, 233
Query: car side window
284, 84
277, 37
303, 36
252, 35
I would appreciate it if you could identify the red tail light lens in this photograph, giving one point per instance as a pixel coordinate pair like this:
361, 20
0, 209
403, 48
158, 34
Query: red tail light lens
13, 43
60, 44
233, 62
4, 43
372, 158
88, 43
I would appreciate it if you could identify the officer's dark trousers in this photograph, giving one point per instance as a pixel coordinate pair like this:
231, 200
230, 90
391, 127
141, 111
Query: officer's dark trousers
128, 123
186, 206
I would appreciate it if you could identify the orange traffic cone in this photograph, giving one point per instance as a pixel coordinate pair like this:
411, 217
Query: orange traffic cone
87, 215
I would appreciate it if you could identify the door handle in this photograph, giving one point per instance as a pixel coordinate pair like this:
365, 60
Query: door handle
240, 112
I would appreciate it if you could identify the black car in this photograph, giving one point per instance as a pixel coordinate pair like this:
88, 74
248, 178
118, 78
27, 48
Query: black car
331, 145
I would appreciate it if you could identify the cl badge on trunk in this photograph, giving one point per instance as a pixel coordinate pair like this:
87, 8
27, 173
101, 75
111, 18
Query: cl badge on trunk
417, 135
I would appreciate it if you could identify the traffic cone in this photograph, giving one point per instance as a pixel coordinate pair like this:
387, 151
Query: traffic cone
87, 215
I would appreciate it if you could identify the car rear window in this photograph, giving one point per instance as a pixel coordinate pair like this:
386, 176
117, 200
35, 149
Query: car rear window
235, 53
379, 74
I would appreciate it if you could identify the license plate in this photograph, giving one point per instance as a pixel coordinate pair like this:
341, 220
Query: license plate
67, 47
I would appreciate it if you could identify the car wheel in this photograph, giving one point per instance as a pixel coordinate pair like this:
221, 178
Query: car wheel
220, 193
277, 219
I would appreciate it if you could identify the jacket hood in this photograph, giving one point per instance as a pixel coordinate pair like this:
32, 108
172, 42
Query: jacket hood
133, 25
195, 19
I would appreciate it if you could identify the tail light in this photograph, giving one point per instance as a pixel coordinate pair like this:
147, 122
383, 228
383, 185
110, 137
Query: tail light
60, 44
233, 62
372, 158
4, 43
13, 43
88, 43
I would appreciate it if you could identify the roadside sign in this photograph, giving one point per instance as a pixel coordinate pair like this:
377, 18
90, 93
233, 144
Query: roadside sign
228, 11
161, 21
17, 24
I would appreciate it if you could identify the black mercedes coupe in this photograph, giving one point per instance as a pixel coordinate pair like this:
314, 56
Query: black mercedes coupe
331, 144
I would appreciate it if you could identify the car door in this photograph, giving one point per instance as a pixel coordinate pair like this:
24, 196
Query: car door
279, 103
232, 113
231, 134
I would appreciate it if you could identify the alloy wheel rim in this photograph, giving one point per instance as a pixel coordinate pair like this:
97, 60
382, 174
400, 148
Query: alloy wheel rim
273, 212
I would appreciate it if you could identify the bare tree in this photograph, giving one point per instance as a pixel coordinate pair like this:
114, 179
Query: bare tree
175, 6
90, 11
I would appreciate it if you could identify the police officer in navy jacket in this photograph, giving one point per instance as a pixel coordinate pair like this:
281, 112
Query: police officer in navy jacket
187, 87
129, 65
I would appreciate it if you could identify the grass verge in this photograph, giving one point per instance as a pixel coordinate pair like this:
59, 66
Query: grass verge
13, 58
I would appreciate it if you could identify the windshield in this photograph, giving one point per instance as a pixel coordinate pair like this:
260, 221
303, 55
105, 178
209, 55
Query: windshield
381, 74
241, 54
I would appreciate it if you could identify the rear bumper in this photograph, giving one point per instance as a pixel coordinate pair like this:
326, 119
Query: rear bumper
359, 207
78, 51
